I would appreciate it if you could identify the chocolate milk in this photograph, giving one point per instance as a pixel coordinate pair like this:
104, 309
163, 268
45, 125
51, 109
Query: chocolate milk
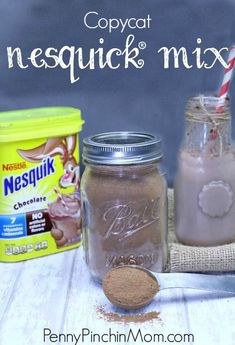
65, 217
205, 182
204, 195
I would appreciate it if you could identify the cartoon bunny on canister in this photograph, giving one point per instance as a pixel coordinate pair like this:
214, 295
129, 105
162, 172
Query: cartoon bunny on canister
63, 147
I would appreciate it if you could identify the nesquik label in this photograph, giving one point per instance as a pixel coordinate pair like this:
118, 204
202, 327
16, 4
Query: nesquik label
34, 220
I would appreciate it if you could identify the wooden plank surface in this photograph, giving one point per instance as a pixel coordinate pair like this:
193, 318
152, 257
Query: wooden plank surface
57, 292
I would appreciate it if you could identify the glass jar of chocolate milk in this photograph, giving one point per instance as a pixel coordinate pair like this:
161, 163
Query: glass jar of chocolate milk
124, 202
205, 183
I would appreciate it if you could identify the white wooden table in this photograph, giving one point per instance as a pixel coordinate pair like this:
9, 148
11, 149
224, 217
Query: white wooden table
56, 292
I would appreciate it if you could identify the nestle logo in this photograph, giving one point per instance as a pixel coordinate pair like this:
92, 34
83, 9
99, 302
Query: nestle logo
14, 166
30, 177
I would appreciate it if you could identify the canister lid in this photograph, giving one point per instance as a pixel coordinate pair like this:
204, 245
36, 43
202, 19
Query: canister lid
122, 148
17, 125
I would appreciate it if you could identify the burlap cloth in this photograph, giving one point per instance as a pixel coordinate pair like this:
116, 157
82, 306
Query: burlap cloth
196, 259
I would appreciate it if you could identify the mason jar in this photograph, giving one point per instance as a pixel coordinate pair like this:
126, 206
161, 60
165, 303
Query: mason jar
205, 182
124, 202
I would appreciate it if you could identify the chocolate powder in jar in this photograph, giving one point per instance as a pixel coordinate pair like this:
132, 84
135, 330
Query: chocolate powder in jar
126, 222
129, 287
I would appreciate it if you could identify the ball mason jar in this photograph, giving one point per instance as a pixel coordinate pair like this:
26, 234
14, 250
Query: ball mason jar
124, 202
205, 182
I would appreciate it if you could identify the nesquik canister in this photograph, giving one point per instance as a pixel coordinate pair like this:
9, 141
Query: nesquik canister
40, 182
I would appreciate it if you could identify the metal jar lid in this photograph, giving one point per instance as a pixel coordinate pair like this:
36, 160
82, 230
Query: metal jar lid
122, 148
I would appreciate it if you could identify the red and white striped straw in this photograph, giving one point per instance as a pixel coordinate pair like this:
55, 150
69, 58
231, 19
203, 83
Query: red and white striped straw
60, 197
228, 73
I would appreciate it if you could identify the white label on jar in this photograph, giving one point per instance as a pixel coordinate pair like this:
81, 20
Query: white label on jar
216, 198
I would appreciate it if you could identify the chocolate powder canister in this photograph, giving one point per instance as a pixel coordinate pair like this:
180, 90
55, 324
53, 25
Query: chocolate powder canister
124, 202
39, 155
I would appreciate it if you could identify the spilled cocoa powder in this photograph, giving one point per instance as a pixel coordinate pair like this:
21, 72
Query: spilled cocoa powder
130, 287
127, 318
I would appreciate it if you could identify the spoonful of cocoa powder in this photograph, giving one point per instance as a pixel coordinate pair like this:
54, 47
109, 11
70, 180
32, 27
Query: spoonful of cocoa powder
130, 287
133, 287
